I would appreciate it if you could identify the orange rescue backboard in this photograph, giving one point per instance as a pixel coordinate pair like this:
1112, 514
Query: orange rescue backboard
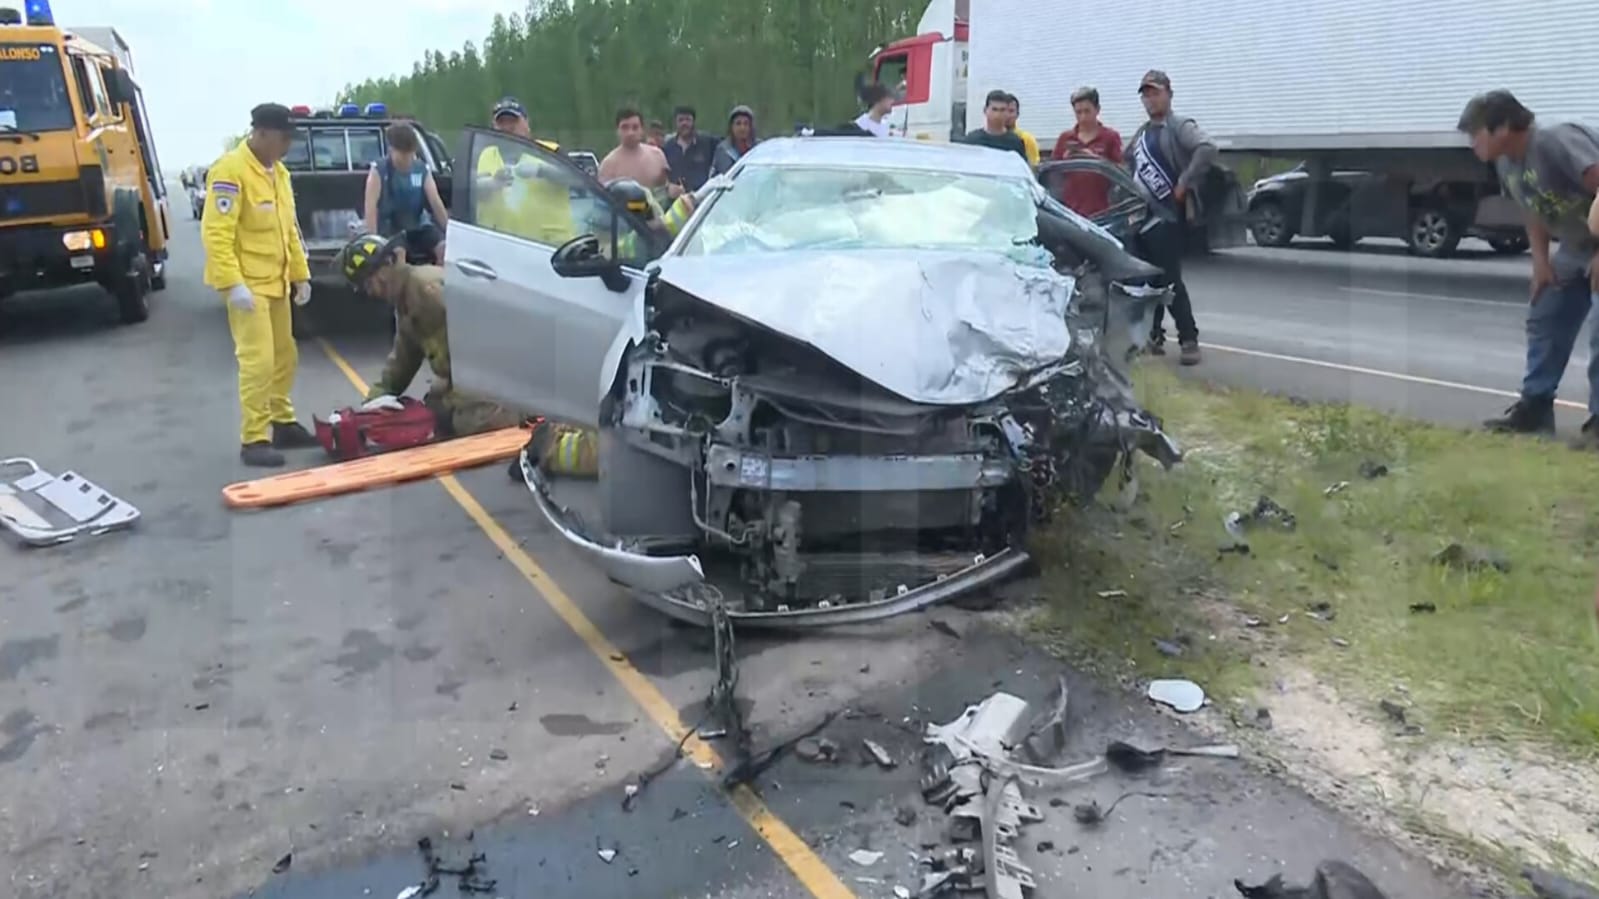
376, 471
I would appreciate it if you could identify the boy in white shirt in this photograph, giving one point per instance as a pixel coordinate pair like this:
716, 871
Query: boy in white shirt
879, 102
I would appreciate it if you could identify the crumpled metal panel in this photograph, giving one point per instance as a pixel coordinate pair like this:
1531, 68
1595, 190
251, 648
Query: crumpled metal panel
936, 327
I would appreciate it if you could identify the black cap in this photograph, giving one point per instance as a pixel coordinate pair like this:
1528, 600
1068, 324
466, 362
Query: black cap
508, 106
271, 117
1154, 78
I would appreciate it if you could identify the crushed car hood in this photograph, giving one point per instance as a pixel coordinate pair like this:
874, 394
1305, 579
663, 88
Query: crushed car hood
935, 327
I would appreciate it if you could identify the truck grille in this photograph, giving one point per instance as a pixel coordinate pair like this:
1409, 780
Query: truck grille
21, 201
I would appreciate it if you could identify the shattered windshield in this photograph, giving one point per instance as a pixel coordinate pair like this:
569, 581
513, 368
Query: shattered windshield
772, 209
33, 89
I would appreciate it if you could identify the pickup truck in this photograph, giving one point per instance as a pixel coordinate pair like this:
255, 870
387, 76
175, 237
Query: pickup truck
328, 164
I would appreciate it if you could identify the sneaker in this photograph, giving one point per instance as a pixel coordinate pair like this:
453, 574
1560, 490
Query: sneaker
1525, 416
292, 435
260, 455
1588, 437
1189, 354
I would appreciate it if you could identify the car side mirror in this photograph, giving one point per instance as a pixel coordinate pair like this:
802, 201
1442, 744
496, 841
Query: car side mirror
582, 257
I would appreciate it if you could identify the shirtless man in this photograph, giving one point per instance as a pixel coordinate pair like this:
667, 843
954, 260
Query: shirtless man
633, 157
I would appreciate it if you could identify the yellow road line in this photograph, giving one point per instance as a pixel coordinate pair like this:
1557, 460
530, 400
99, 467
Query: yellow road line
807, 866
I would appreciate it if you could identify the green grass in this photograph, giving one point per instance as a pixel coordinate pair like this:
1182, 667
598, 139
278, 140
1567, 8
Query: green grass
1507, 655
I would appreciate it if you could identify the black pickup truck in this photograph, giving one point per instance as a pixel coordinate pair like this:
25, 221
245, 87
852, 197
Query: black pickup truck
328, 164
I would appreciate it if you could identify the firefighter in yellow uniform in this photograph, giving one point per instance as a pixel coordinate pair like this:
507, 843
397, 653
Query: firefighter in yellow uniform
526, 196
255, 258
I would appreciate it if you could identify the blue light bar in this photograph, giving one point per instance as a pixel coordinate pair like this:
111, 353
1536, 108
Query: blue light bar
374, 110
349, 110
38, 13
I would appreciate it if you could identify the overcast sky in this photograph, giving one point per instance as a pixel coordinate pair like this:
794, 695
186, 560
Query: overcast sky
204, 63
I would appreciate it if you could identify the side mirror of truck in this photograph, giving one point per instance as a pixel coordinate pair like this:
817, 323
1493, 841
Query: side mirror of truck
120, 87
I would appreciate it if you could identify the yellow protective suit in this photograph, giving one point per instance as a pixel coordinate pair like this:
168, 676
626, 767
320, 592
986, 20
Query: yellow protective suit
538, 209
251, 237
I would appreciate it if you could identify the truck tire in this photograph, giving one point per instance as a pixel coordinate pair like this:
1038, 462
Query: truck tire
132, 290
1432, 233
1268, 222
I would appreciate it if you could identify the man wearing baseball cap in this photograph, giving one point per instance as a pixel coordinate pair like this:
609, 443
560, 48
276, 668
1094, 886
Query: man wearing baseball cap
519, 193
255, 258
1169, 155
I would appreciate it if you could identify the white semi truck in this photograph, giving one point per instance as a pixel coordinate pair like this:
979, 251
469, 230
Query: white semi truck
1365, 93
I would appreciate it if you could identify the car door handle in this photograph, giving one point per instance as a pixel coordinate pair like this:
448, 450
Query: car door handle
475, 269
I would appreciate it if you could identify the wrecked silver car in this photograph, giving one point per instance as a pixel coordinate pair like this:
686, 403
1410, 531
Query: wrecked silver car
847, 389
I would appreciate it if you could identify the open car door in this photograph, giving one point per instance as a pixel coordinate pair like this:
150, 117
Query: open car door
1100, 191
1122, 207
521, 332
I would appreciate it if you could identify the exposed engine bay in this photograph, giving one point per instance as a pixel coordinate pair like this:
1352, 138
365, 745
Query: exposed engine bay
796, 464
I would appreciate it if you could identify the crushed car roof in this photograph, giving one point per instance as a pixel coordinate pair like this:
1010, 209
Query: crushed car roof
888, 153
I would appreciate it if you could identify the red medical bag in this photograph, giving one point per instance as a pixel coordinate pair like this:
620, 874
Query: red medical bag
352, 433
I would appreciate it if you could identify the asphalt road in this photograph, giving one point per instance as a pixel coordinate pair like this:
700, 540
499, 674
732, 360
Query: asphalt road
186, 704
1434, 339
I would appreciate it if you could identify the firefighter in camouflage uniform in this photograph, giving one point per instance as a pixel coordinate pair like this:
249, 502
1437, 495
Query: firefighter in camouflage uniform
374, 266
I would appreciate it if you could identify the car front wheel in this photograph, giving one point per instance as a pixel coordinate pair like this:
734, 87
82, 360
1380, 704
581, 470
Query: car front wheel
1432, 233
1269, 224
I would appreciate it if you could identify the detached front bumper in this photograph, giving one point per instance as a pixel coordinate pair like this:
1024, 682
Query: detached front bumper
676, 586
40, 257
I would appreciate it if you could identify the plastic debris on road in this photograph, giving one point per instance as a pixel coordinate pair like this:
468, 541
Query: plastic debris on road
1183, 695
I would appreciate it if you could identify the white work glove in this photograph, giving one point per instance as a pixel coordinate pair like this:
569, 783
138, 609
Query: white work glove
240, 298
385, 403
302, 293
531, 168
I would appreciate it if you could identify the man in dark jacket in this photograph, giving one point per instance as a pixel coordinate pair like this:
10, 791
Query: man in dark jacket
1169, 155
740, 139
689, 151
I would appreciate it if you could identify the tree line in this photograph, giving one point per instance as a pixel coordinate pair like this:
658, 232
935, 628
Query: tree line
573, 63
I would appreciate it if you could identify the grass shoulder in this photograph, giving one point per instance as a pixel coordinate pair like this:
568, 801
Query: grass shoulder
1429, 611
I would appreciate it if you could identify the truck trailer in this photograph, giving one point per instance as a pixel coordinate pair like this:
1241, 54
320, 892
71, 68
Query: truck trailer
1364, 94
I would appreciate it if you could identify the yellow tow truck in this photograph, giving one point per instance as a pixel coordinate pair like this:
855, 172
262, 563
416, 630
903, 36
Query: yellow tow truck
82, 198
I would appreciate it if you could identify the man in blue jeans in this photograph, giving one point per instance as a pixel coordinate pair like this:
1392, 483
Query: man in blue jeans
1553, 173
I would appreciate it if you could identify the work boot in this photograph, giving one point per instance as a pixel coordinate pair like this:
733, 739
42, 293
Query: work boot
1588, 437
260, 455
292, 435
1190, 353
1528, 415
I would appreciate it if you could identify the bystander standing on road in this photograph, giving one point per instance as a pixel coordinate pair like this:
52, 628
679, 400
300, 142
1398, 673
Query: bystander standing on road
1086, 193
656, 134
995, 133
633, 158
1013, 112
1553, 174
741, 138
1169, 154
689, 152
879, 102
